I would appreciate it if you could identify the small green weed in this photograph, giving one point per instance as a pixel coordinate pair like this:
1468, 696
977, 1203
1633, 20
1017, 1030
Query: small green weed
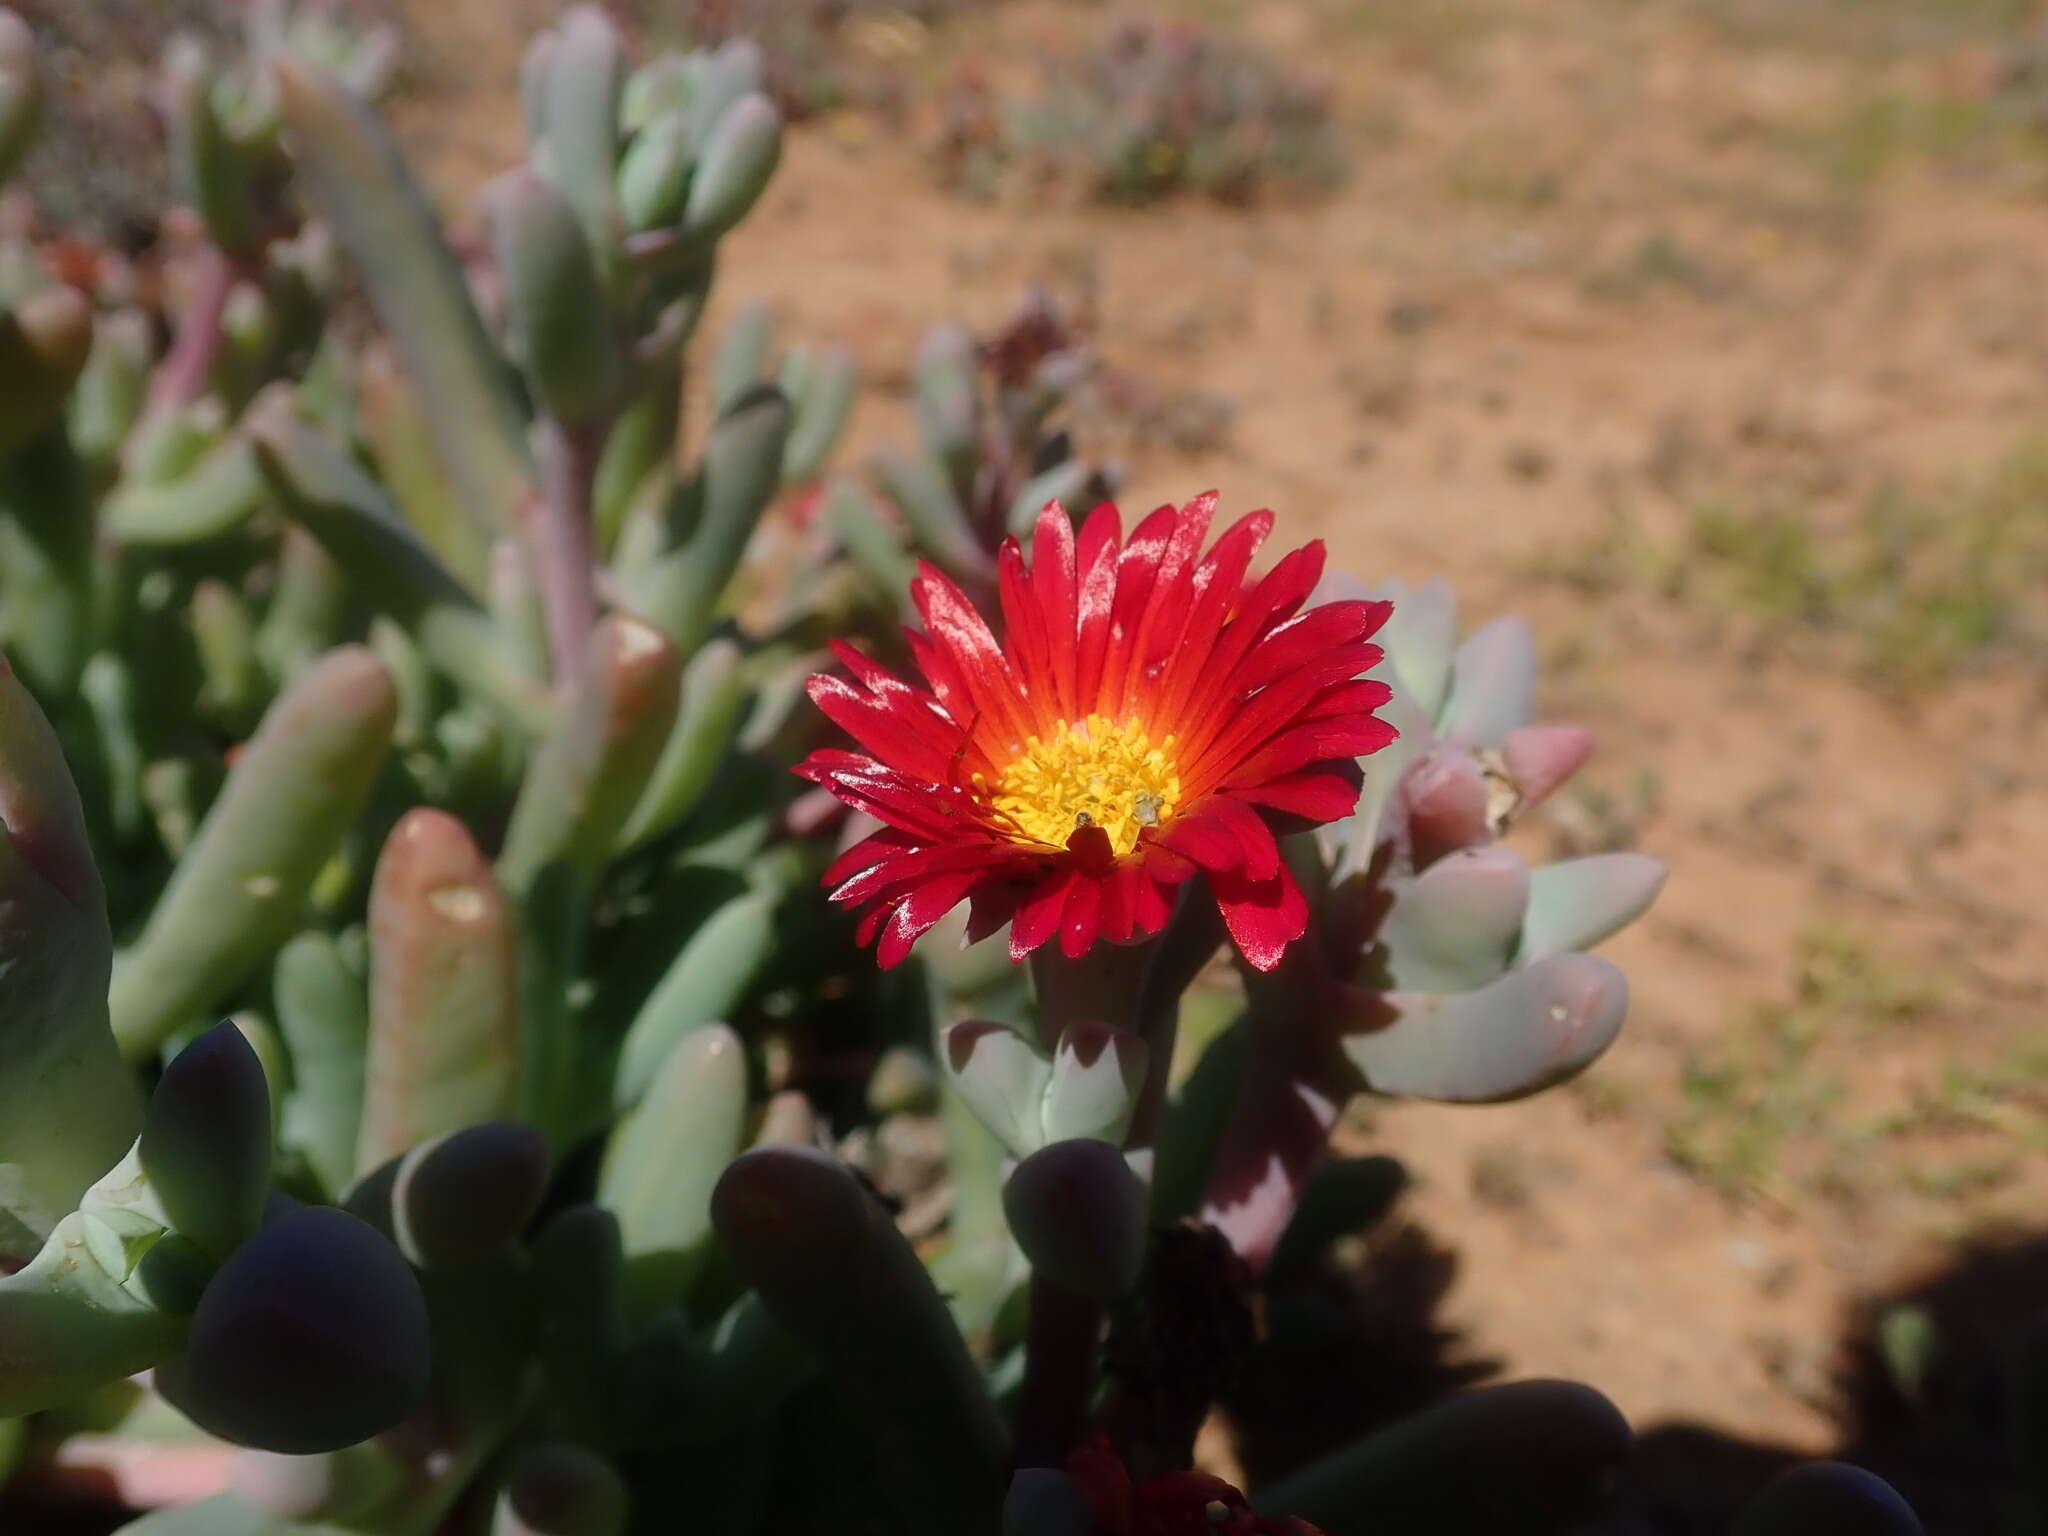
1910, 585
1878, 132
1920, 583
1759, 1110
1864, 28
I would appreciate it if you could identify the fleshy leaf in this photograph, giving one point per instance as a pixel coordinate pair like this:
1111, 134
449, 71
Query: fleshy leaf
68, 1107
1530, 1029
1097, 1073
445, 1046
1420, 637
1576, 904
1078, 1212
328, 494
561, 1490
943, 386
205, 1144
934, 514
876, 1324
293, 791
704, 982
1828, 1498
467, 1194
707, 715
1493, 683
1453, 927
45, 340
324, 1014
586, 777
681, 590
585, 74
354, 175
554, 303
822, 407
1002, 1078
663, 1159
734, 167
313, 1336
1531, 1458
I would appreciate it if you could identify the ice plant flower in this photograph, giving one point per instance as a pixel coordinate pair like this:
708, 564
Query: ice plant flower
1149, 715
1178, 1504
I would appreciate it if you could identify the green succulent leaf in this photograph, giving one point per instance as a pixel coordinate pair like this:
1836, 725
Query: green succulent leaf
293, 791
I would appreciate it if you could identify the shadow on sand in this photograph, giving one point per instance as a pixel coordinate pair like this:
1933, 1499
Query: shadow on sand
1929, 1385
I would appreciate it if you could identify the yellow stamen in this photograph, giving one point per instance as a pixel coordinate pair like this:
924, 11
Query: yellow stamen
1092, 773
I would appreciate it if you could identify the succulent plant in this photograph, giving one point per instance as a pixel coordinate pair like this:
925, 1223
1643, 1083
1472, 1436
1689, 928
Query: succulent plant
994, 445
384, 576
1439, 964
423, 1047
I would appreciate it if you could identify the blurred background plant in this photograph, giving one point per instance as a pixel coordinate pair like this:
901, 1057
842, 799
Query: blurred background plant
1153, 108
824, 56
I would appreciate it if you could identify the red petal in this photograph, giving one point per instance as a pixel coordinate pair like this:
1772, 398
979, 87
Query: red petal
872, 849
1261, 856
1154, 617
1091, 849
1250, 722
994, 904
890, 879
1025, 640
1323, 796
889, 726
1097, 558
1120, 900
949, 684
1105, 1486
1302, 640
1079, 927
1355, 696
1137, 566
918, 911
956, 628
1218, 587
1318, 741
933, 811
1282, 590
870, 923
872, 673
1038, 914
1202, 838
1263, 916
1154, 907
1053, 584
1162, 865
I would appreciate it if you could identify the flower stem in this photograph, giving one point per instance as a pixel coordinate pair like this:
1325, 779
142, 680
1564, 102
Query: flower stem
1279, 1128
1104, 986
1064, 1334
1175, 959
559, 534
181, 377
1060, 1343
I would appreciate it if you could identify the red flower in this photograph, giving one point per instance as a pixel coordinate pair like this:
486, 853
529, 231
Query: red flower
1148, 712
1178, 1504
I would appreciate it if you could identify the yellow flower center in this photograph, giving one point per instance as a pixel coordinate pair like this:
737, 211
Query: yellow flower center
1093, 773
